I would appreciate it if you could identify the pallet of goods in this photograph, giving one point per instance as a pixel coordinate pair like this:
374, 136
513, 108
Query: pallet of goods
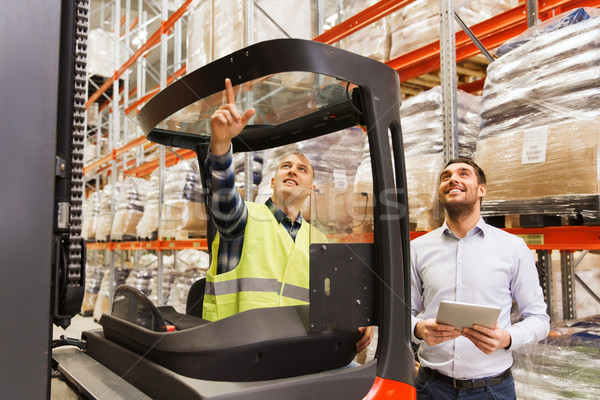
539, 139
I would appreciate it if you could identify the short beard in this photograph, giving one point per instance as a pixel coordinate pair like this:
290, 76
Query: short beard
459, 210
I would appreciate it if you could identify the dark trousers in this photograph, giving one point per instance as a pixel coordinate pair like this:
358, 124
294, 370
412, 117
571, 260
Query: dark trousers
430, 388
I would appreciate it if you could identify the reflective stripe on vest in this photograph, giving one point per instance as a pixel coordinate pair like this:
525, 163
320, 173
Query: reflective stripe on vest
256, 285
273, 270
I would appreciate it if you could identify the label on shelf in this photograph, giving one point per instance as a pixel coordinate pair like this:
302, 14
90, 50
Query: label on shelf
535, 239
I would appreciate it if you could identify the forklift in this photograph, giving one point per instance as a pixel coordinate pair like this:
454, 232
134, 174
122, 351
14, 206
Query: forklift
301, 90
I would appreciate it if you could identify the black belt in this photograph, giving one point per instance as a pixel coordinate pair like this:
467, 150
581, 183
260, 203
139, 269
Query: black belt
468, 383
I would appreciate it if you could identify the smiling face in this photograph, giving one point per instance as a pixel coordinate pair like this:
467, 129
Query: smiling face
460, 191
292, 182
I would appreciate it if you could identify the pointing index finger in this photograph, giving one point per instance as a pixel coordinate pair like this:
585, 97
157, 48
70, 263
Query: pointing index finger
229, 91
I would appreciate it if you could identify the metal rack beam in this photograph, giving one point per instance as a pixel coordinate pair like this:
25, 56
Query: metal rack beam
544, 267
491, 32
360, 20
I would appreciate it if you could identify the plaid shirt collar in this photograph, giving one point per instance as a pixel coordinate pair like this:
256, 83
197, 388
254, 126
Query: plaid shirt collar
280, 216
284, 220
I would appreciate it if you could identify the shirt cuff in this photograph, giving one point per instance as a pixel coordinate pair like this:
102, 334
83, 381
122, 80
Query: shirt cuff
516, 339
413, 324
220, 163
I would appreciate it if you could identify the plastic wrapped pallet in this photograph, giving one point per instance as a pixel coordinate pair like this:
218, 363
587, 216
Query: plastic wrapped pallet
541, 121
183, 212
239, 160
520, 164
180, 288
91, 212
93, 278
143, 279
217, 27
335, 158
566, 19
103, 300
199, 34
105, 217
129, 209
422, 171
101, 54
551, 77
147, 227
422, 123
422, 136
89, 152
564, 365
191, 266
372, 41
177, 277
418, 23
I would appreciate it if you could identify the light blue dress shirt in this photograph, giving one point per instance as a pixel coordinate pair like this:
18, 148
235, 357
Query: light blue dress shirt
488, 267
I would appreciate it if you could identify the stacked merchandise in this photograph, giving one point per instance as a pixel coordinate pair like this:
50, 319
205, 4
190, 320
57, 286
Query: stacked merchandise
129, 209
93, 278
217, 28
89, 153
103, 299
239, 160
144, 276
418, 23
147, 227
151, 280
191, 266
541, 120
101, 54
422, 135
183, 213
564, 365
143, 273
373, 40
177, 276
199, 34
105, 213
335, 159
91, 213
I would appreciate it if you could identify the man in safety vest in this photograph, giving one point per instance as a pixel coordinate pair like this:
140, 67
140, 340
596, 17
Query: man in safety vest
261, 252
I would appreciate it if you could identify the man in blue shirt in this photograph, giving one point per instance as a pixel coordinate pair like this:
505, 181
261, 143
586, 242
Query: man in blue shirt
468, 261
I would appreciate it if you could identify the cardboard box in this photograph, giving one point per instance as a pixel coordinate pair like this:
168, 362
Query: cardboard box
183, 216
552, 160
124, 224
422, 176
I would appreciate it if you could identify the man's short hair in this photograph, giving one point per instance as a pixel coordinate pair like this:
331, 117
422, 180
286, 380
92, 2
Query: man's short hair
480, 174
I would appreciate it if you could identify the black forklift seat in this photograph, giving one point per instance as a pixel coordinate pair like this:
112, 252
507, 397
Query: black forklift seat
195, 298
216, 350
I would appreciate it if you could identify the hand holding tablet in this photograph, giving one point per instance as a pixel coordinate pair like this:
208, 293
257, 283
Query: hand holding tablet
465, 315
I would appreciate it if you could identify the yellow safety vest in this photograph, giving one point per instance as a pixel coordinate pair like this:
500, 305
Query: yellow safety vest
273, 269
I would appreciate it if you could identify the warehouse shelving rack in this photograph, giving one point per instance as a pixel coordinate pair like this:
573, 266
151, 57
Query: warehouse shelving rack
451, 47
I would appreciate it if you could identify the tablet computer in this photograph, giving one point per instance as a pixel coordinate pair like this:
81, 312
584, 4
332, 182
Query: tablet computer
465, 315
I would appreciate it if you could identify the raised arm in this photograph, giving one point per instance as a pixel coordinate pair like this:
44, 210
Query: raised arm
226, 123
227, 206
